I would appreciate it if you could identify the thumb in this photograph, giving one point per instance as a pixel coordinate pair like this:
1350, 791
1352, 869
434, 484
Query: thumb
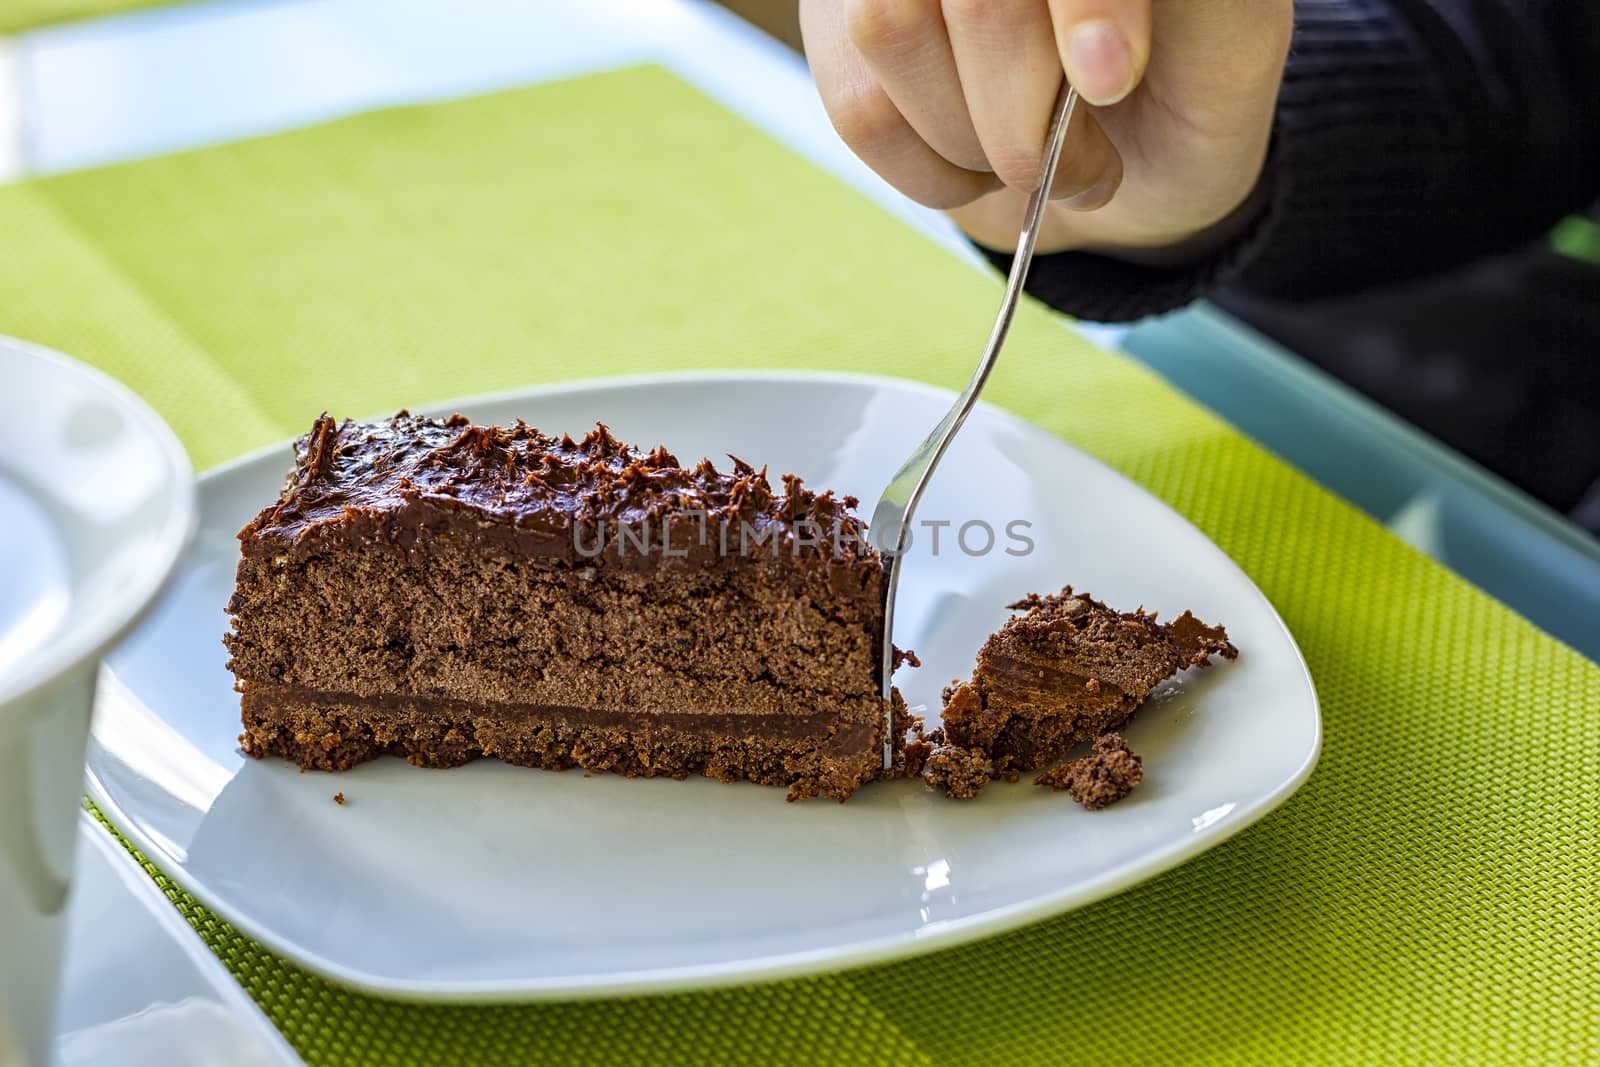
1104, 45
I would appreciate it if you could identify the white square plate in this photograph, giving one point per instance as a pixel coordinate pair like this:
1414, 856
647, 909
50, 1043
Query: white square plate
495, 882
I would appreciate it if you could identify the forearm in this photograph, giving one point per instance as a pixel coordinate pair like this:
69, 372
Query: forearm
1409, 137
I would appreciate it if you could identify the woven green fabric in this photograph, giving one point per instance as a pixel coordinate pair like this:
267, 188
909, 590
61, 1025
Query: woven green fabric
1428, 897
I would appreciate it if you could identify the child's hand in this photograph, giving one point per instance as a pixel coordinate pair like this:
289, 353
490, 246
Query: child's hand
949, 103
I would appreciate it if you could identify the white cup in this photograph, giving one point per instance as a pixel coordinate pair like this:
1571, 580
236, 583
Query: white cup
96, 505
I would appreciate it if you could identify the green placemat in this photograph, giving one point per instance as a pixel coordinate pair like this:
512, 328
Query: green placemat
18, 15
1429, 896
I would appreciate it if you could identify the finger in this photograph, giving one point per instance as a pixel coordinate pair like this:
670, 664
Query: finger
1104, 45
871, 125
905, 45
996, 219
1010, 75
1092, 164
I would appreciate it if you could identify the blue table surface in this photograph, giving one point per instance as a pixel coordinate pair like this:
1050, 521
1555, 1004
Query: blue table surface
141, 84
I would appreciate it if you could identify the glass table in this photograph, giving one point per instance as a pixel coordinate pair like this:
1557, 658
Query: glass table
151, 82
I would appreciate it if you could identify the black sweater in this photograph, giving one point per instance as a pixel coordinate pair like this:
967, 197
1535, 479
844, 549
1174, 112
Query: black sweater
1411, 136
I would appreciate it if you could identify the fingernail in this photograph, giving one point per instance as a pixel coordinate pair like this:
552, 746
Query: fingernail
1100, 62
1097, 195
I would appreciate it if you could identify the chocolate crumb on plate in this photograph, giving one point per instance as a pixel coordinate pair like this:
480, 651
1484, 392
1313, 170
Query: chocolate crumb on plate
915, 755
338, 798
960, 772
1103, 777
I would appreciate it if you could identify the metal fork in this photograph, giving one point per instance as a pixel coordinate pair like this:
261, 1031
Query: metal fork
892, 517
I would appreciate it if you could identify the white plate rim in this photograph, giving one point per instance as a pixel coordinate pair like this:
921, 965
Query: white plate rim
108, 624
847, 956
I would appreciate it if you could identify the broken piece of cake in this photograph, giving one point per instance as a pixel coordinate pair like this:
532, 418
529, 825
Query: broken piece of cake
1109, 773
444, 591
1065, 670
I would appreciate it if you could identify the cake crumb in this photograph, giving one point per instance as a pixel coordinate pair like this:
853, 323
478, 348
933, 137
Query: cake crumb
960, 772
338, 798
1104, 777
914, 756
805, 789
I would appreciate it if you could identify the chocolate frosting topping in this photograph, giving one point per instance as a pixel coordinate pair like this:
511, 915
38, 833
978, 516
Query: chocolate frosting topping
411, 481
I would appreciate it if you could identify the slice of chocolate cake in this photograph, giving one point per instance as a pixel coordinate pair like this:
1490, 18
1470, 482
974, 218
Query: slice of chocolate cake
1068, 669
444, 591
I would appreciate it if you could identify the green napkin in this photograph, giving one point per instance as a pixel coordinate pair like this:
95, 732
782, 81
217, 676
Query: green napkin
1429, 896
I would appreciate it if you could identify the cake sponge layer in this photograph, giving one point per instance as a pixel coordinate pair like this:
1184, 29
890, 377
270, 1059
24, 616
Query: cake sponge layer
368, 622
